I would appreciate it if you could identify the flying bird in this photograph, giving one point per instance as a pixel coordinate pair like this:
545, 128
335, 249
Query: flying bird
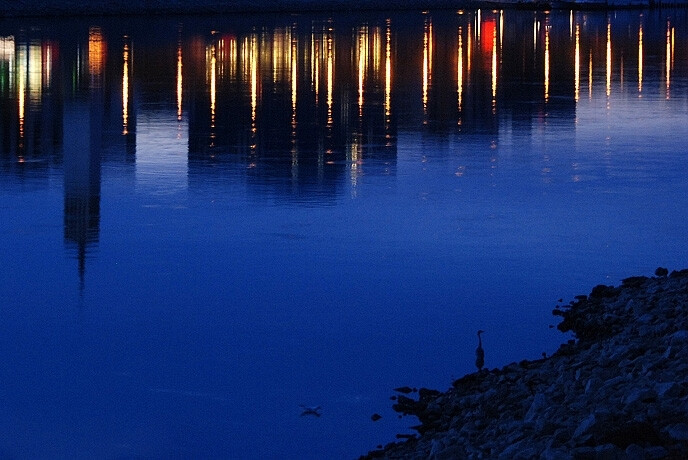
480, 353
313, 410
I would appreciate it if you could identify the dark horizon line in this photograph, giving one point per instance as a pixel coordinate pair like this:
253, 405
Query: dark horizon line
62, 8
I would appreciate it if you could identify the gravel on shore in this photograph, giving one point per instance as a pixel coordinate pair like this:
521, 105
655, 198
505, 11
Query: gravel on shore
619, 390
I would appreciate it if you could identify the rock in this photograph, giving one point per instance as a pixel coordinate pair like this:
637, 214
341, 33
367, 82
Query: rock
618, 389
656, 453
679, 337
678, 432
585, 426
539, 402
555, 454
609, 452
375, 417
635, 452
668, 390
661, 271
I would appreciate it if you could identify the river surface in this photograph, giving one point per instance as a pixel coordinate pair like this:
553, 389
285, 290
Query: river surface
207, 222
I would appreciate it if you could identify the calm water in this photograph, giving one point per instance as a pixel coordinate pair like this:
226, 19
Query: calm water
206, 222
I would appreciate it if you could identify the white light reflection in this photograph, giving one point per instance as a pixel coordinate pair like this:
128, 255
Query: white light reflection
459, 72
179, 82
388, 72
669, 33
640, 59
609, 59
125, 89
547, 27
576, 65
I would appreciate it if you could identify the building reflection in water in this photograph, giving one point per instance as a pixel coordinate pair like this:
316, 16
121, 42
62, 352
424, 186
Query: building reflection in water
82, 133
300, 107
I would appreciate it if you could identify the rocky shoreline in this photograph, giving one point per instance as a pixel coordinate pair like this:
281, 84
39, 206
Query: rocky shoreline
619, 390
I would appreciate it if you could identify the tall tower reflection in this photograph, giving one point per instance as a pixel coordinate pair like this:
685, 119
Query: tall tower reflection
82, 133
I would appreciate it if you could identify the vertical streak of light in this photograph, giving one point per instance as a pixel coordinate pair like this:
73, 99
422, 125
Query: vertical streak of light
213, 87
330, 79
501, 29
388, 71
535, 31
478, 21
294, 75
469, 54
494, 71
254, 88
362, 38
590, 76
459, 72
609, 59
48, 66
668, 59
22, 62
426, 70
640, 59
35, 71
96, 55
546, 63
315, 66
576, 83
125, 90
571, 23
179, 81
293, 79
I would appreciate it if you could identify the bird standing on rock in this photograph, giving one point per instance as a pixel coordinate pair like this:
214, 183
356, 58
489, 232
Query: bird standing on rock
480, 353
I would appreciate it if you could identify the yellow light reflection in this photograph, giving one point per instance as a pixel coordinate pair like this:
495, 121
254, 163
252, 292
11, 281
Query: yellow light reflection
590, 76
576, 65
315, 66
35, 71
494, 70
293, 88
469, 54
254, 87
459, 72
179, 82
427, 66
609, 59
330, 79
668, 58
546, 62
640, 59
125, 89
388, 72
362, 59
22, 58
213, 87
96, 56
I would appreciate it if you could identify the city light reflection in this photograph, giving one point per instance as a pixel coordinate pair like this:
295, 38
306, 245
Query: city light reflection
640, 59
609, 59
96, 56
547, 27
179, 81
459, 71
125, 89
388, 72
576, 65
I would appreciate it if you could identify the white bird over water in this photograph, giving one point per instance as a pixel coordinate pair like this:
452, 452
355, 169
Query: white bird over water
312, 410
480, 353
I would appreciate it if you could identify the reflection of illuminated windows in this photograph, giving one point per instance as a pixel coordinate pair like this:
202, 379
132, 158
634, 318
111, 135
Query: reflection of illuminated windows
96, 56
7, 64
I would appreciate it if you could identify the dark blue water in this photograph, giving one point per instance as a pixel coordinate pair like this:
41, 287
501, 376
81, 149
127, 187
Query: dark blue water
206, 222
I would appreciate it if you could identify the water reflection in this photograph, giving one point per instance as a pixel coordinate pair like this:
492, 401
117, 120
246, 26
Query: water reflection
299, 109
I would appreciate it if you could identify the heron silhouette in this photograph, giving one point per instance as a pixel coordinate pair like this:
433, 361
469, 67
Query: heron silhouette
480, 353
